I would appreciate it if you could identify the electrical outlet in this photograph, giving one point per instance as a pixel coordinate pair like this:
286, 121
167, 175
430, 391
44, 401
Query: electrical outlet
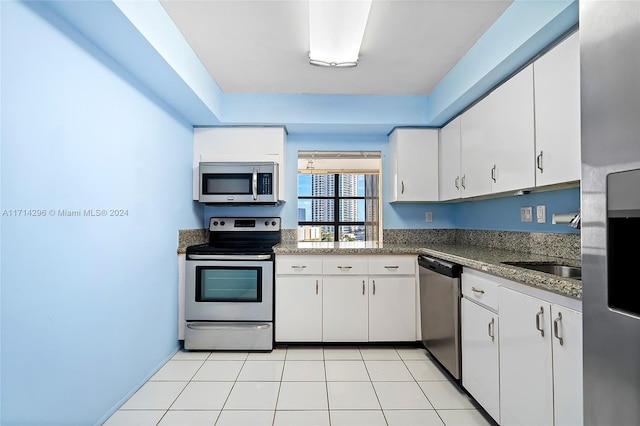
428, 217
541, 214
526, 214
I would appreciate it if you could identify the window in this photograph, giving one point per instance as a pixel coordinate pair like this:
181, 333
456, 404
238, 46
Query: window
338, 196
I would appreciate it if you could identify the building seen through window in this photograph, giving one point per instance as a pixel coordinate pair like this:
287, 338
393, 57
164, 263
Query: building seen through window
339, 201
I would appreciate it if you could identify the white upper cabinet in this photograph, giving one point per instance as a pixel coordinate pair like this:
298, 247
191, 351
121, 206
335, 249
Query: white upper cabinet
557, 113
497, 139
449, 161
413, 165
511, 134
239, 144
475, 153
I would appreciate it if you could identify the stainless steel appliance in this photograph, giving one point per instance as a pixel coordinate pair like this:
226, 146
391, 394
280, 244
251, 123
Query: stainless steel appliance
238, 183
440, 312
610, 210
229, 285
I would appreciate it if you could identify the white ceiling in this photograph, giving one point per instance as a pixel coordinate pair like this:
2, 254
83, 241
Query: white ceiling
261, 46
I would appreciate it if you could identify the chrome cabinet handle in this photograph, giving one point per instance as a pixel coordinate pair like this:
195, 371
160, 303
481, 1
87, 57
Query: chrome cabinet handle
539, 320
493, 173
539, 161
464, 178
456, 182
402, 191
374, 287
491, 329
475, 290
344, 267
254, 183
316, 286
556, 323
363, 287
298, 266
392, 267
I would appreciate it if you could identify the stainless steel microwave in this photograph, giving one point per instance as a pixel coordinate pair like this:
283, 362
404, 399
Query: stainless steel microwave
238, 183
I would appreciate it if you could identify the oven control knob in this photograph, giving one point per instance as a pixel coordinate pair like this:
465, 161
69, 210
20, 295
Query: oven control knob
266, 223
273, 223
222, 223
215, 223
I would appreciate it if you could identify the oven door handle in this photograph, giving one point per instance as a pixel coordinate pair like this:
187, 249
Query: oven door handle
201, 326
229, 257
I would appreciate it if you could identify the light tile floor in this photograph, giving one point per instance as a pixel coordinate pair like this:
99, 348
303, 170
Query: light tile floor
300, 386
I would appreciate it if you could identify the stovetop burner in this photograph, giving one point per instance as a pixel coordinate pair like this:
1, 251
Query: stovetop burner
208, 249
240, 235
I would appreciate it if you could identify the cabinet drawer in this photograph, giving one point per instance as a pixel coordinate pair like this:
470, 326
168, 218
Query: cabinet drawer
392, 265
344, 265
298, 265
479, 289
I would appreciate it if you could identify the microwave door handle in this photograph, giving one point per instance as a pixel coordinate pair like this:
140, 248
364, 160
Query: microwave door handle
254, 183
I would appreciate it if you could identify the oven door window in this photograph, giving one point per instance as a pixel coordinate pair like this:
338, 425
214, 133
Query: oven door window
228, 284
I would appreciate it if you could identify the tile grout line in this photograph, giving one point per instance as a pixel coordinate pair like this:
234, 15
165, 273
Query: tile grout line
372, 386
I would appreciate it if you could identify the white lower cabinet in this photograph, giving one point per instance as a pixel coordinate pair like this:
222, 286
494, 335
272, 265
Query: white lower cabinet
480, 363
345, 309
298, 310
540, 361
298, 299
392, 316
567, 366
347, 298
526, 369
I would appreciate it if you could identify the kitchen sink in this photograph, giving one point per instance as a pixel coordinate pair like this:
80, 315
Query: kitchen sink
564, 271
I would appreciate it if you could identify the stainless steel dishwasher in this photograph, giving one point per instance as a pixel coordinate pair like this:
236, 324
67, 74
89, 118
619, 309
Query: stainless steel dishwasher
440, 311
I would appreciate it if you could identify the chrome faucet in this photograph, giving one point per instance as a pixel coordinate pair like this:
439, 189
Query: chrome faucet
576, 221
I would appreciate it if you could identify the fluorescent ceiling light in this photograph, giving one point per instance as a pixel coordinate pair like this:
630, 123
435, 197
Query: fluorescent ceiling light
336, 28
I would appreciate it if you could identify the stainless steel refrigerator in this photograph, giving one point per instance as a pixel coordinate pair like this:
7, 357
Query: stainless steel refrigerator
610, 208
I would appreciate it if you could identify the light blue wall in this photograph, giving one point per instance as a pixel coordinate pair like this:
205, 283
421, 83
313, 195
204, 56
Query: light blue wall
89, 304
504, 213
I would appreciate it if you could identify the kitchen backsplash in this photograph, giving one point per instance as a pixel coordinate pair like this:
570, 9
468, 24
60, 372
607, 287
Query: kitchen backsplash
566, 246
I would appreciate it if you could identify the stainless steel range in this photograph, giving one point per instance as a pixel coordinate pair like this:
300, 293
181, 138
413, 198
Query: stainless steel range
229, 285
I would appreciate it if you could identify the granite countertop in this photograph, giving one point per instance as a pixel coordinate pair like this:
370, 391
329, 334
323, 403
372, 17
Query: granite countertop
484, 259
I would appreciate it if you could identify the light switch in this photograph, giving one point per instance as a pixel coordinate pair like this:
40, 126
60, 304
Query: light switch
428, 217
541, 214
526, 214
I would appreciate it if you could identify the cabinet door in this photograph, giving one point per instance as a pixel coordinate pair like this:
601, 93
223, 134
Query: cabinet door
475, 158
345, 309
511, 134
247, 143
392, 314
567, 366
414, 165
298, 309
480, 374
526, 386
449, 161
557, 104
